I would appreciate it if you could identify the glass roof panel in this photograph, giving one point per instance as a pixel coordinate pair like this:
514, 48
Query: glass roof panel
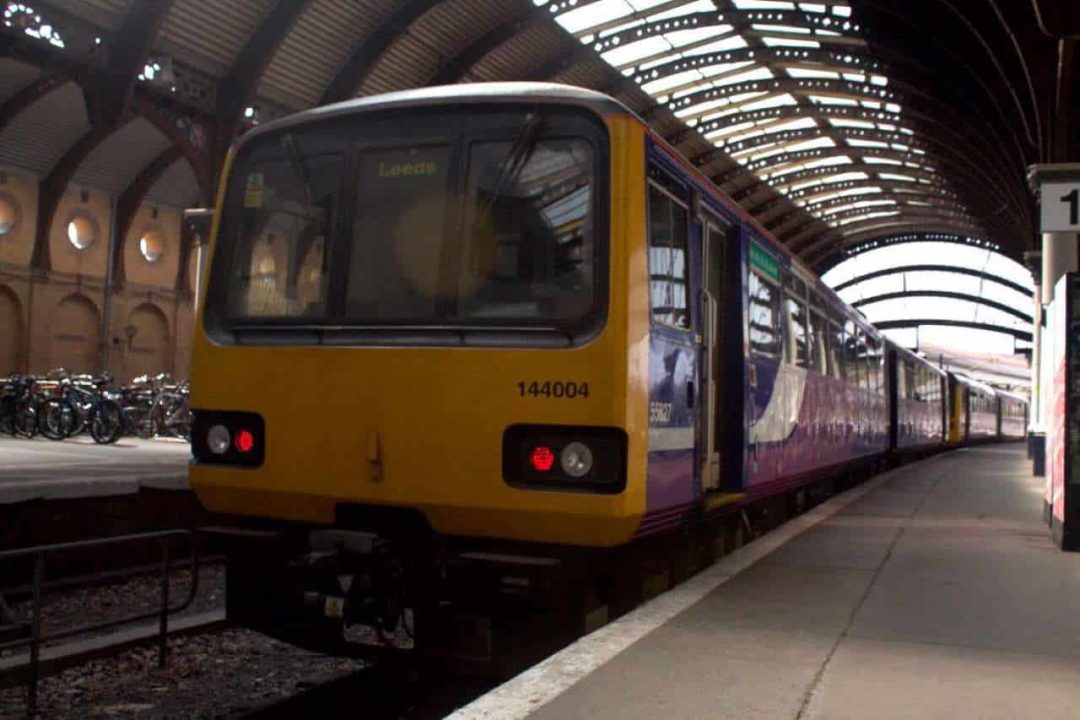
812, 57
963, 255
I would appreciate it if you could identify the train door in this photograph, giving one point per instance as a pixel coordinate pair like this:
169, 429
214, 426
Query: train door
714, 233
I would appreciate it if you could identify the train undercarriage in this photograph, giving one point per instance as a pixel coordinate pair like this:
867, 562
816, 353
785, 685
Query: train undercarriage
382, 581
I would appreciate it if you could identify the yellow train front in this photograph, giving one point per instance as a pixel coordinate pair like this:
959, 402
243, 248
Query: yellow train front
393, 348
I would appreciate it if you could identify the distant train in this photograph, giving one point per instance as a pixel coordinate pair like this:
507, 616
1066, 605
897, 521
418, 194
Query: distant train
508, 326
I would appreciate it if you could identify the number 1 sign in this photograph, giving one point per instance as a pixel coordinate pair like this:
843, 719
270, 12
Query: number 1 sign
1060, 207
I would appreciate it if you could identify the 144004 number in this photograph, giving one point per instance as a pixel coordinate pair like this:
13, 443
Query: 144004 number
553, 389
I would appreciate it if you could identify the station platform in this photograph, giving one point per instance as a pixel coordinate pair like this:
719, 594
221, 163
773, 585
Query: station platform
931, 591
79, 468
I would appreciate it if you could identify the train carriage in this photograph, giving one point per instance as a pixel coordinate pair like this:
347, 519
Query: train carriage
1012, 416
442, 323
918, 402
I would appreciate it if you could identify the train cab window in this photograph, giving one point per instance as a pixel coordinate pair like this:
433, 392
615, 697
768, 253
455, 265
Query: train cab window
764, 316
528, 250
280, 265
668, 261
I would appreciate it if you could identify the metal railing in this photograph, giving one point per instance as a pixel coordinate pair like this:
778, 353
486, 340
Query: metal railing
166, 538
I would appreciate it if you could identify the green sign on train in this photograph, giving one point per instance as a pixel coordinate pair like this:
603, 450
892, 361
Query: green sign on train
764, 262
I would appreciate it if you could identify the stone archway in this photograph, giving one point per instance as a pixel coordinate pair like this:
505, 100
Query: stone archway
76, 336
148, 353
11, 332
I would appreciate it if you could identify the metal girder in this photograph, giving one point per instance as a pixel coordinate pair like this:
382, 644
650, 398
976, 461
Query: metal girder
131, 198
789, 112
901, 324
110, 89
837, 203
984, 276
844, 60
890, 38
199, 158
235, 91
456, 67
955, 154
29, 95
814, 178
1065, 131
52, 187
364, 57
814, 252
716, 18
947, 294
793, 86
813, 175
890, 190
888, 41
790, 225
873, 214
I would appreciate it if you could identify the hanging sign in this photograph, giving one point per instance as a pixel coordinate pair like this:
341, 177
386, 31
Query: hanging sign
1060, 206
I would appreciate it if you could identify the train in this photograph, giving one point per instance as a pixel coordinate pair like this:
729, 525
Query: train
471, 331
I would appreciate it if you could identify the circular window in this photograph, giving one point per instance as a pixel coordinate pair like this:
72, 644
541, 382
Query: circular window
151, 246
82, 231
9, 215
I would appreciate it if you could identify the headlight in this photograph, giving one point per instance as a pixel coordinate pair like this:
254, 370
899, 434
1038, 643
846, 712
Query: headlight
218, 439
576, 459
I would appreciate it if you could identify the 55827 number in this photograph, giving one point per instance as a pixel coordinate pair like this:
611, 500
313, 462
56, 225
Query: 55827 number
553, 389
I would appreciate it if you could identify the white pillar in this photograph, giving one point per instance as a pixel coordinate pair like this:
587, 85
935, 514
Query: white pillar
1035, 415
1059, 256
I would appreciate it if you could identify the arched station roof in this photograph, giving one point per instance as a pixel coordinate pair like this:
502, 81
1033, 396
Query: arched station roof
835, 122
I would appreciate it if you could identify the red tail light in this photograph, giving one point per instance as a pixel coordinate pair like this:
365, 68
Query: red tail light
542, 458
245, 441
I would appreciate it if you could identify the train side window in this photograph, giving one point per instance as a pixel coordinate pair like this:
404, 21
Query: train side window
764, 316
668, 261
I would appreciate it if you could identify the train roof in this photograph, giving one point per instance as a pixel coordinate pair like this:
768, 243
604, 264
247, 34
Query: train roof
1013, 396
915, 357
478, 93
981, 386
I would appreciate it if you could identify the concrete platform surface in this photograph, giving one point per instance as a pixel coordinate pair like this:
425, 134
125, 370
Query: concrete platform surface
934, 591
40, 468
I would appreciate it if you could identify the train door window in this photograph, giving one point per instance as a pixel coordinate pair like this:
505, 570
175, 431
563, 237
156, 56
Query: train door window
819, 353
903, 369
851, 354
862, 352
764, 316
836, 351
874, 358
797, 352
668, 260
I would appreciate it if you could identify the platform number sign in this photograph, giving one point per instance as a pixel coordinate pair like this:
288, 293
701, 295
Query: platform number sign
1061, 207
1073, 199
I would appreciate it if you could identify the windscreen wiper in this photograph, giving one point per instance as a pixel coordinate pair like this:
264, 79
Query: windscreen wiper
299, 167
515, 160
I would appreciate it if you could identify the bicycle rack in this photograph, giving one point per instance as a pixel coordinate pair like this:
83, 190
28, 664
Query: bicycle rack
15, 635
